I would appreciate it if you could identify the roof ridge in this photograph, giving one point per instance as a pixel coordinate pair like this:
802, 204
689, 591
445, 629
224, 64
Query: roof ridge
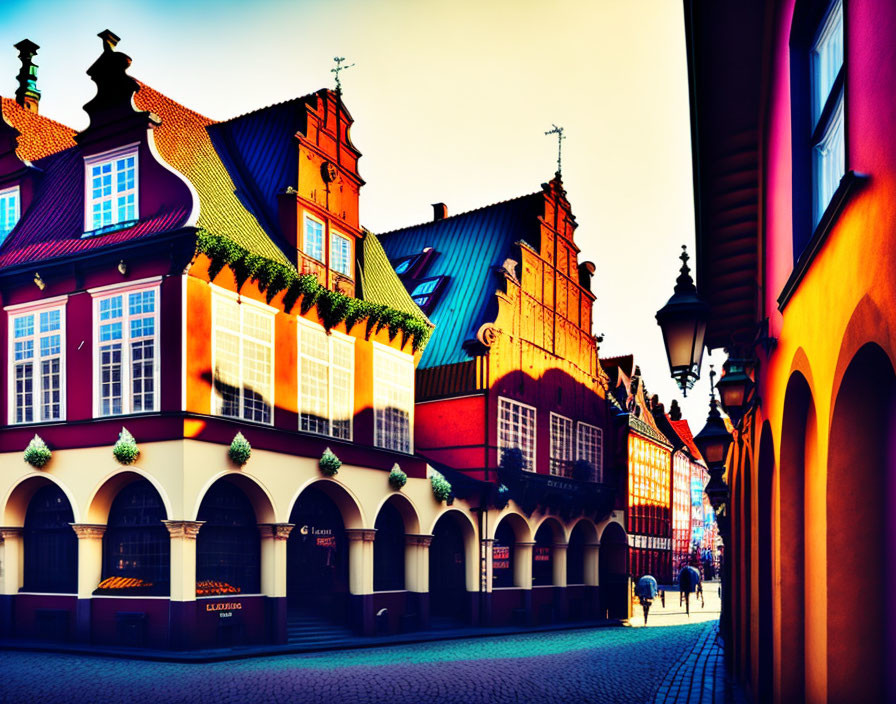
300, 98
458, 215
175, 102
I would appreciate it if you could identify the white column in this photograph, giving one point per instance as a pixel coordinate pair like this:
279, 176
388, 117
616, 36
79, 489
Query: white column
273, 557
487, 546
183, 558
592, 558
559, 564
360, 560
416, 563
522, 565
90, 557
11, 560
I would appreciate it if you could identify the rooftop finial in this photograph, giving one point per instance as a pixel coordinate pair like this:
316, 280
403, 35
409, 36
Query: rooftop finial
684, 283
27, 94
559, 132
110, 39
339, 67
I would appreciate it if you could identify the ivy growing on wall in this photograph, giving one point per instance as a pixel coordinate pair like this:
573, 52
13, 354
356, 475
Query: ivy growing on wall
334, 307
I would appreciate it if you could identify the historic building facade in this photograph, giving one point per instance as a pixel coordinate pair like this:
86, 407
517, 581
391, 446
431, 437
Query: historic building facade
795, 176
511, 395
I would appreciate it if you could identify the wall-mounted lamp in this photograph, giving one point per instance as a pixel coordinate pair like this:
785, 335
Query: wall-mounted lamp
39, 282
123, 267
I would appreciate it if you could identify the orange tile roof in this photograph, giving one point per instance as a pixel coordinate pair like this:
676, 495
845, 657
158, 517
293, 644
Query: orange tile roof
41, 136
683, 430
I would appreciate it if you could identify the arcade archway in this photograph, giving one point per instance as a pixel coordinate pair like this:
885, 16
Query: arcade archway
613, 571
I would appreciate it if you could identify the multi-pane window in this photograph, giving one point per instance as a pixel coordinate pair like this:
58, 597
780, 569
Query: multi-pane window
340, 254
516, 430
393, 399
828, 148
590, 447
427, 291
111, 190
127, 337
9, 210
243, 359
36, 351
326, 380
561, 445
313, 243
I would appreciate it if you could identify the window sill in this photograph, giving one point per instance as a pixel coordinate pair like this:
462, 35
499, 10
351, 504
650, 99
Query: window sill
107, 229
849, 186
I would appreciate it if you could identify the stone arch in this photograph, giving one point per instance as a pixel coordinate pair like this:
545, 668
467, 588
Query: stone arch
339, 494
15, 503
764, 639
548, 533
257, 493
797, 459
579, 554
860, 482
556, 527
451, 583
613, 571
517, 522
406, 508
105, 492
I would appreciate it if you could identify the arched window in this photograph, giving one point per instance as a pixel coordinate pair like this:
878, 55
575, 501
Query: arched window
502, 555
228, 550
388, 550
136, 546
51, 546
543, 557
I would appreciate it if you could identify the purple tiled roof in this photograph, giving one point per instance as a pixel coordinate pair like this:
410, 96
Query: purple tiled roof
54, 224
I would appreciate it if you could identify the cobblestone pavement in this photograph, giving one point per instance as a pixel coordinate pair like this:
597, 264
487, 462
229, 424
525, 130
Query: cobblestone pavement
597, 665
701, 676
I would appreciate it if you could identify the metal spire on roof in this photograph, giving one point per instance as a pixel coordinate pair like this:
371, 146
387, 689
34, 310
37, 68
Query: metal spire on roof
559, 132
339, 67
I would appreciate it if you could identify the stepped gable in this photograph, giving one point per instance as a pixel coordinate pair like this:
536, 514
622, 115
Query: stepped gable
470, 247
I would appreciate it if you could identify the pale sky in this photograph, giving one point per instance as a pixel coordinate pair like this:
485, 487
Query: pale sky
451, 101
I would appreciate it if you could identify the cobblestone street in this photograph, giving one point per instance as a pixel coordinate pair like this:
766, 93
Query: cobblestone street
601, 665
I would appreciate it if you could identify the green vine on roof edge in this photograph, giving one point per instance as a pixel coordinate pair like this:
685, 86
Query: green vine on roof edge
333, 307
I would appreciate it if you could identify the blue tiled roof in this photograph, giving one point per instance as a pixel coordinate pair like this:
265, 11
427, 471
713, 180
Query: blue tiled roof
469, 246
259, 152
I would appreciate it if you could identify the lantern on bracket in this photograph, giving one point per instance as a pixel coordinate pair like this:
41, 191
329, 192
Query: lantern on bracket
683, 322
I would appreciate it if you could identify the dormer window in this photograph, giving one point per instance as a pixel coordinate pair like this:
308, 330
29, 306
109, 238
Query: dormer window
110, 198
426, 292
9, 210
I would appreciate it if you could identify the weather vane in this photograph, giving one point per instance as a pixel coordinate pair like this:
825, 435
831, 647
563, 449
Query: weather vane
559, 132
339, 67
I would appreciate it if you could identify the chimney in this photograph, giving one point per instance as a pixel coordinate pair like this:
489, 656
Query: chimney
675, 411
27, 94
439, 211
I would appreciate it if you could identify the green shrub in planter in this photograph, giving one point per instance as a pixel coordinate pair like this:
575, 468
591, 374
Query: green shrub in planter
37, 454
397, 477
329, 463
441, 487
240, 450
125, 449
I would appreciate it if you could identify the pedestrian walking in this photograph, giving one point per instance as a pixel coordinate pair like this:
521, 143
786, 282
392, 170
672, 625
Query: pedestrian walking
689, 582
646, 591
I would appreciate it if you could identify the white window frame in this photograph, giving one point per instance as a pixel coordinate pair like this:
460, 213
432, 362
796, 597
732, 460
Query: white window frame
828, 157
381, 353
323, 237
334, 236
124, 290
580, 454
110, 156
561, 456
331, 338
502, 443
11, 195
218, 294
35, 309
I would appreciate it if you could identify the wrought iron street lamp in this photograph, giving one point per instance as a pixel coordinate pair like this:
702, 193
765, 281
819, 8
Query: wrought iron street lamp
734, 388
714, 440
683, 322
